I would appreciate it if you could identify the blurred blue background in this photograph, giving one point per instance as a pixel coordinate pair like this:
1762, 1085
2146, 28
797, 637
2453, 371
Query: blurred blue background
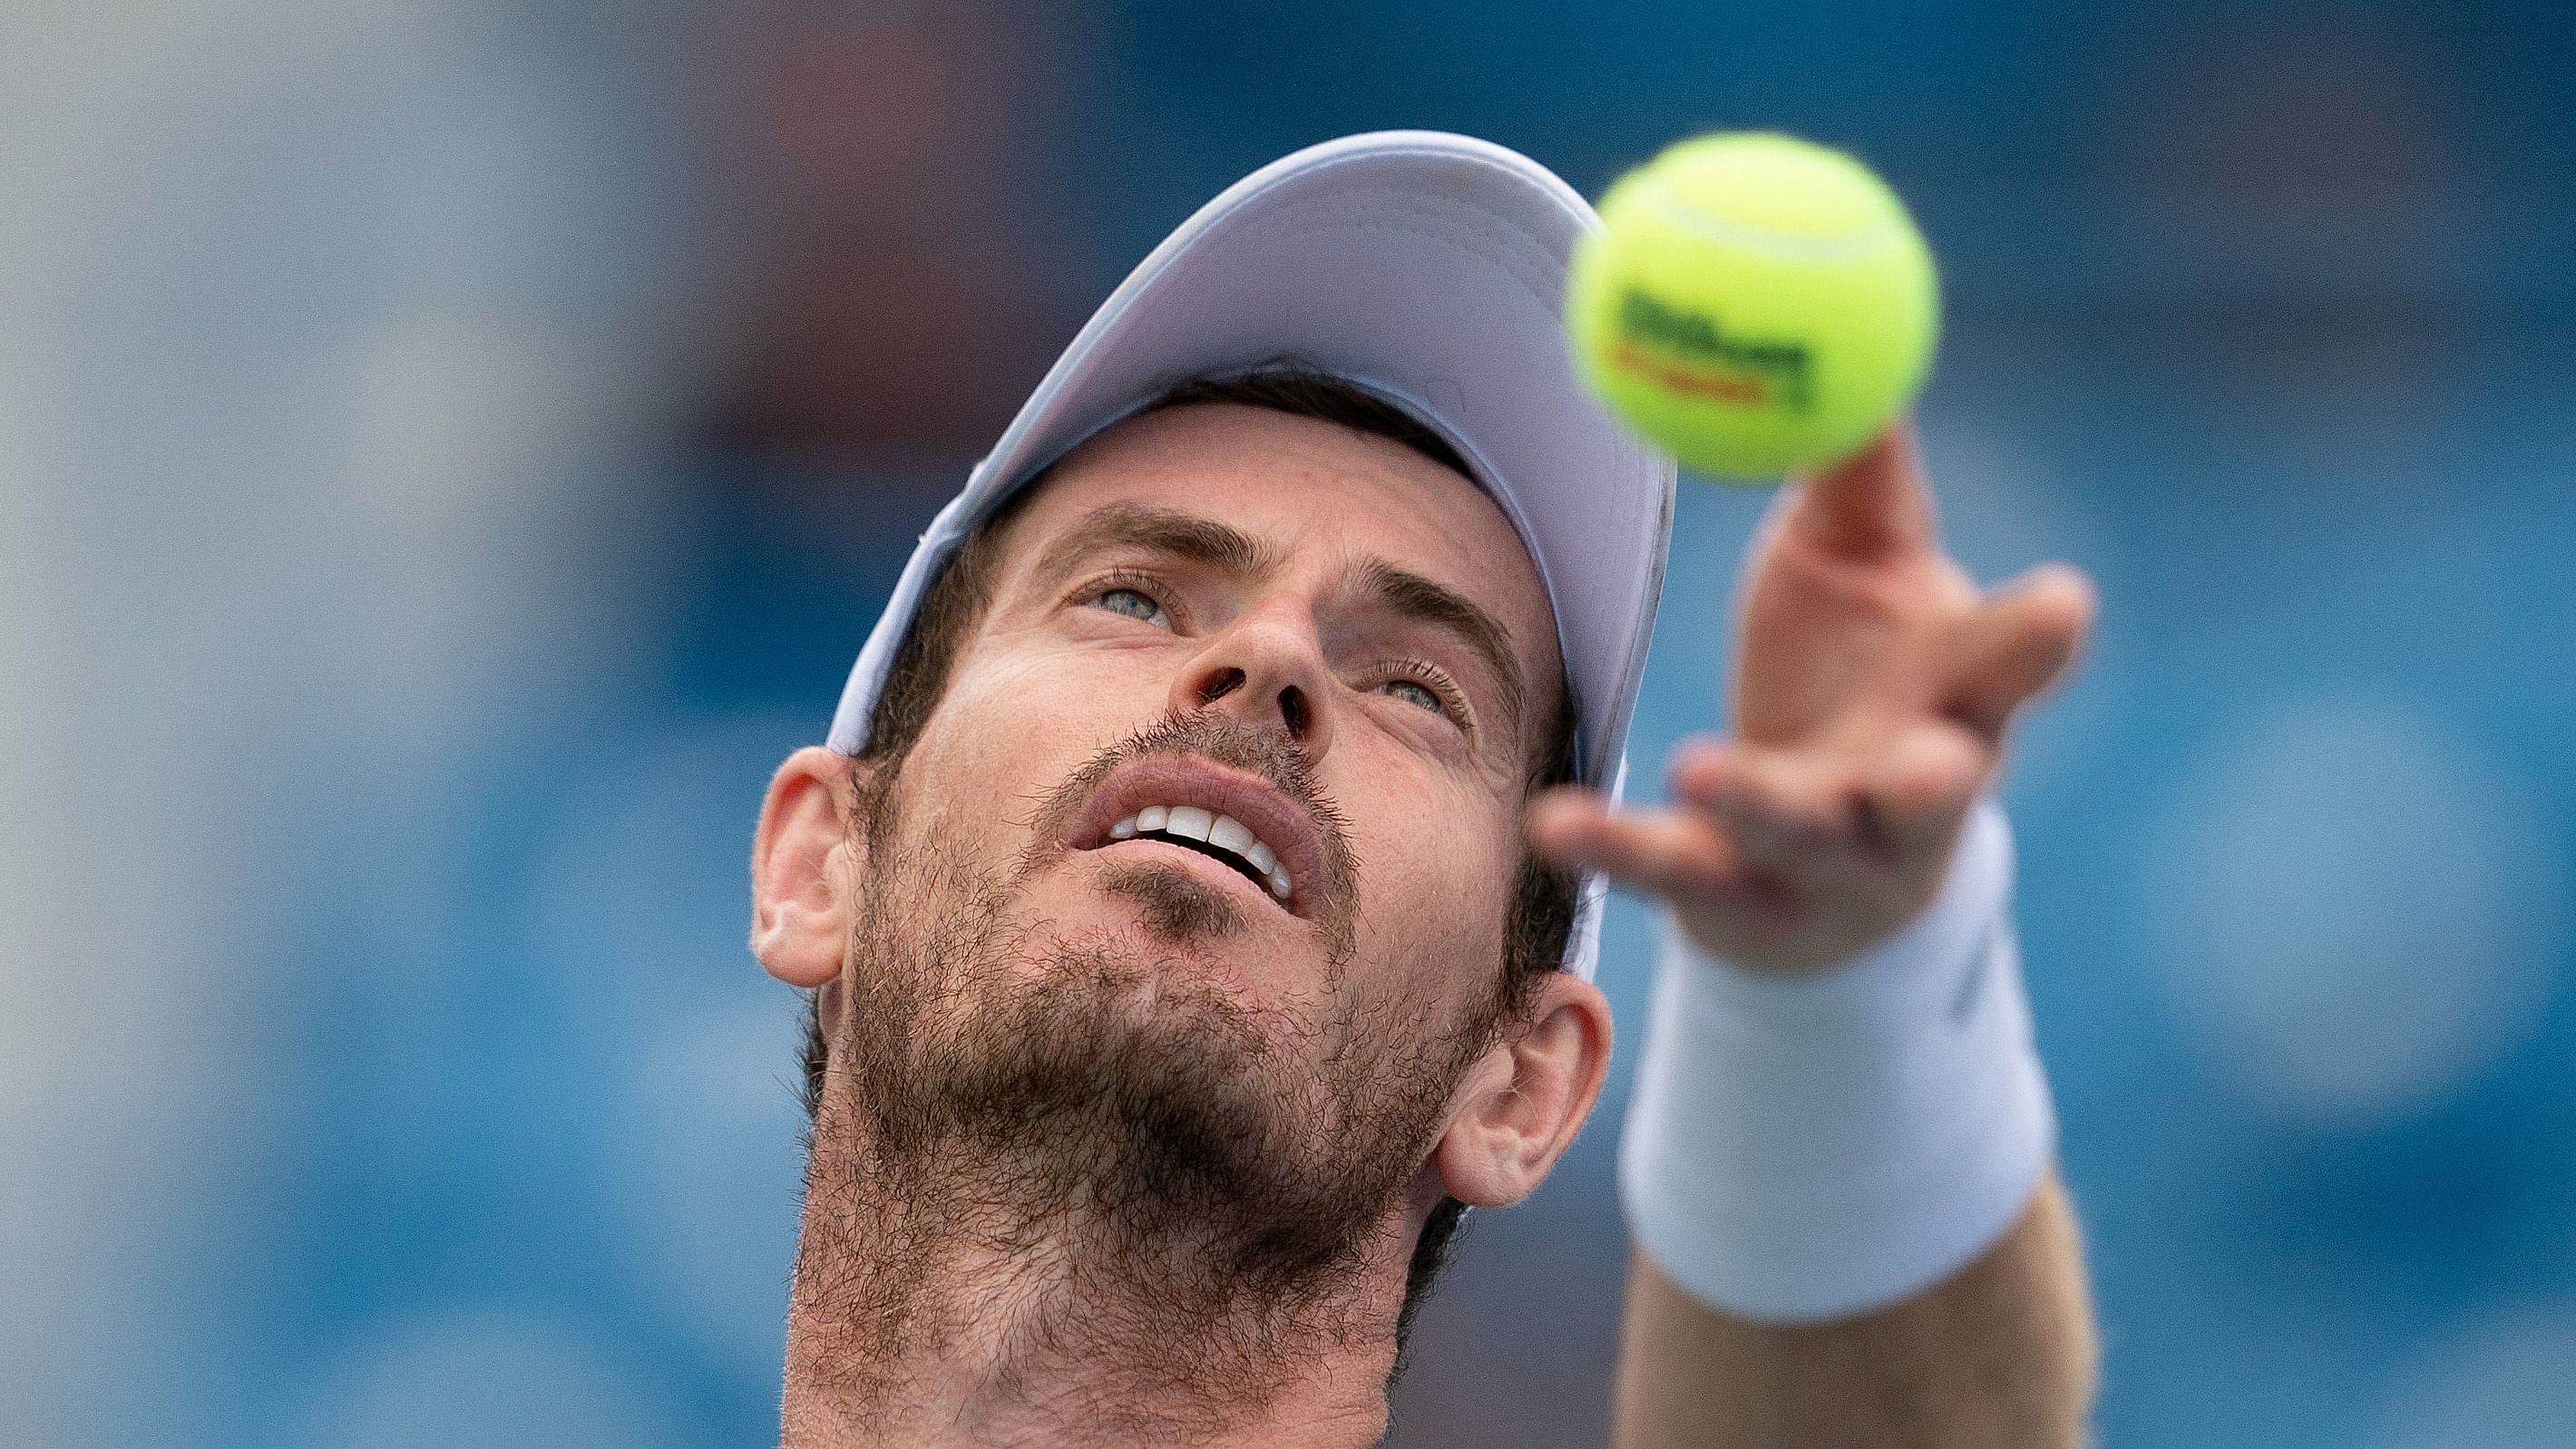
450, 451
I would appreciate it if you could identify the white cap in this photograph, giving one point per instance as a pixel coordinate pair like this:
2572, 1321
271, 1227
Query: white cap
1429, 269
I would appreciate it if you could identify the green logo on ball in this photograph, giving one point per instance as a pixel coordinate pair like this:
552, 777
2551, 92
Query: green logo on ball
1746, 372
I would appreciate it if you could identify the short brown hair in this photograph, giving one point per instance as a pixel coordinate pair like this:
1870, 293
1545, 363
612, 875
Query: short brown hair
1544, 897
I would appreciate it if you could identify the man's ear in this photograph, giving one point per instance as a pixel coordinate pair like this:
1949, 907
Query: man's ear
1518, 1108
804, 867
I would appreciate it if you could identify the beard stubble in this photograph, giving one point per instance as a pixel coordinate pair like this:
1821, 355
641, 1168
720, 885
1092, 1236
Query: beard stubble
1184, 1184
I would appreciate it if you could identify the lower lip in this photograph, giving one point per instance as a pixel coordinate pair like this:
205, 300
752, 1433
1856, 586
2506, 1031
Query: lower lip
1205, 867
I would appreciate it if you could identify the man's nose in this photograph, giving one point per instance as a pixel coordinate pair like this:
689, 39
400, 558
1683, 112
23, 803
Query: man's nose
1266, 666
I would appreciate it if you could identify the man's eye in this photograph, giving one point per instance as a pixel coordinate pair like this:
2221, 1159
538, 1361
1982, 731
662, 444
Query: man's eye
1133, 604
1414, 691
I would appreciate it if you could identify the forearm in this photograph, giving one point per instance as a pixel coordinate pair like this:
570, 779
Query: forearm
2000, 1355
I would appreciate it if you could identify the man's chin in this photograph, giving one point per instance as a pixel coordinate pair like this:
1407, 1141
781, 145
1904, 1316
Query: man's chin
1175, 921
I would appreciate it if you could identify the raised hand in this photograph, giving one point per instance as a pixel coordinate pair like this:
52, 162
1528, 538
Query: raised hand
1874, 685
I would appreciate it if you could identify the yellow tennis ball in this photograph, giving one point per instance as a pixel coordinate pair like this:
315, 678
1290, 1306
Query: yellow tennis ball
1755, 304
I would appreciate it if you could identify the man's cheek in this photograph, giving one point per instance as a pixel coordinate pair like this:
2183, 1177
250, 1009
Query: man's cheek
1057, 709
1429, 911
1004, 728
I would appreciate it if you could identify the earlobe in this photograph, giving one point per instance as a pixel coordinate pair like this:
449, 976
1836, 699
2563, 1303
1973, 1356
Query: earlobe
802, 867
1522, 1104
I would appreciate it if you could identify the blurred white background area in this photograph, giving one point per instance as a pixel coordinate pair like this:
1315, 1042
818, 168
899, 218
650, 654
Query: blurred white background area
334, 341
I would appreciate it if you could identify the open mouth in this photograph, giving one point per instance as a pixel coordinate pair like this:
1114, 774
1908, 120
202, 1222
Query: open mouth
1235, 817
1221, 838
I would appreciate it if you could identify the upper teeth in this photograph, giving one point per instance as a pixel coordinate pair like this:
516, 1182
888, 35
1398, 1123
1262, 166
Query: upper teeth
1222, 831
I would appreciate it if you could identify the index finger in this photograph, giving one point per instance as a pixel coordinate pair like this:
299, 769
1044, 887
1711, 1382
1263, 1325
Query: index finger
1871, 504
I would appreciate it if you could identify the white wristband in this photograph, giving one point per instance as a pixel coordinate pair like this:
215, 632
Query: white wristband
1810, 1147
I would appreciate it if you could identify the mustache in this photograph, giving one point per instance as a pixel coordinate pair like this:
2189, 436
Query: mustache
1267, 751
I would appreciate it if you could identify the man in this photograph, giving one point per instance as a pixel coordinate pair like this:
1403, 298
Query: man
1199, 891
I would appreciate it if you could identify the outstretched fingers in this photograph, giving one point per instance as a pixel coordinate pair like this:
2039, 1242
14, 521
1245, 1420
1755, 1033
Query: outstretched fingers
1783, 855
2015, 644
1923, 783
1663, 852
1822, 816
1784, 807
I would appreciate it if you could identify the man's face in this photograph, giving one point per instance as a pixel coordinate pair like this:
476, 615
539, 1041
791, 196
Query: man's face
1228, 1059
1324, 635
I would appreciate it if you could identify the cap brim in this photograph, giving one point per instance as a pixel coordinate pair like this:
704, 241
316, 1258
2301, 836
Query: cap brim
1429, 268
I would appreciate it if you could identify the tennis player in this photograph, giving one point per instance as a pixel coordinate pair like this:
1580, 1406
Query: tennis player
1200, 887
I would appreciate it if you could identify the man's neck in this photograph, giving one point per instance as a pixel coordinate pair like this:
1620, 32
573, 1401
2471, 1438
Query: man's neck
939, 1320
988, 1399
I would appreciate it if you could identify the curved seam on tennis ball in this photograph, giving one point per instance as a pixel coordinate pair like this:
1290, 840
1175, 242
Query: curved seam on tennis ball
1734, 233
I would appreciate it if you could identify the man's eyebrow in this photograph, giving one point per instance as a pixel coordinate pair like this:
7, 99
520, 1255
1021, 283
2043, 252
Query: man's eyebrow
1199, 539
1442, 607
1164, 530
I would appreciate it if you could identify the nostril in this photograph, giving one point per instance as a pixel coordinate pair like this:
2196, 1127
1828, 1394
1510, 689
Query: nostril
1219, 685
1292, 709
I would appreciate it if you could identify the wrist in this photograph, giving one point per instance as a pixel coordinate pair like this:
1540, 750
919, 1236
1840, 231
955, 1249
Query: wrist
1827, 933
1810, 1146
1894, 977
